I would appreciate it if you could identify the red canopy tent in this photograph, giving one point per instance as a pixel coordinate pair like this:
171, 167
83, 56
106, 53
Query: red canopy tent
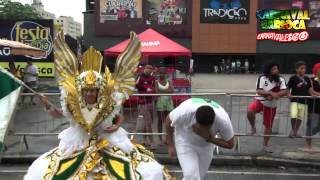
153, 44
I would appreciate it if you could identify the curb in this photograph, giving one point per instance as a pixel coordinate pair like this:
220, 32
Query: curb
221, 160
258, 161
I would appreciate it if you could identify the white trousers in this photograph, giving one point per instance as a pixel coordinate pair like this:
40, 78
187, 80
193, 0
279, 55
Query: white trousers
194, 160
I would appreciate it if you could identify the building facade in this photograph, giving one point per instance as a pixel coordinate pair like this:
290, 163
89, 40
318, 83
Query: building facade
224, 33
38, 6
70, 26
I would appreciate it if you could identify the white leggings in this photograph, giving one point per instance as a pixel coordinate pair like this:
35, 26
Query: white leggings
194, 160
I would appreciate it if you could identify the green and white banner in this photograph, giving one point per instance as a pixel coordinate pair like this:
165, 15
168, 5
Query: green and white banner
9, 94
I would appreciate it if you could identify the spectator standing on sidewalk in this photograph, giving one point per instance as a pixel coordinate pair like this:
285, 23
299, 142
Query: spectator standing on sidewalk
238, 66
30, 77
270, 87
233, 66
313, 122
164, 103
246, 66
299, 85
14, 71
146, 85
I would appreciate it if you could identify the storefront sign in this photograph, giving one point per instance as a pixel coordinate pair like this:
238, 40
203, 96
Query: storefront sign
114, 10
293, 22
284, 37
167, 12
299, 12
119, 17
44, 69
225, 12
36, 33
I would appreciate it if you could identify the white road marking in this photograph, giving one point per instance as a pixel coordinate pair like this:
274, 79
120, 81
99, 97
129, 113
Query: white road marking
253, 173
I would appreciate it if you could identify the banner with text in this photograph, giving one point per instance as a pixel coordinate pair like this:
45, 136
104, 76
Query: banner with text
36, 33
225, 11
114, 10
138, 15
288, 21
166, 12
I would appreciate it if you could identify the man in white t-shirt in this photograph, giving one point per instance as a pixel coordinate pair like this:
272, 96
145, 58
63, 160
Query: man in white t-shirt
194, 125
161, 18
270, 87
30, 77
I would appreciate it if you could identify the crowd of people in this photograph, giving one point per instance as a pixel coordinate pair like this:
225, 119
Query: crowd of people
271, 86
192, 127
147, 84
237, 66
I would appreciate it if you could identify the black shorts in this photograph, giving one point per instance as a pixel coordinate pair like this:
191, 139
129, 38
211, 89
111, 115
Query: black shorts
32, 84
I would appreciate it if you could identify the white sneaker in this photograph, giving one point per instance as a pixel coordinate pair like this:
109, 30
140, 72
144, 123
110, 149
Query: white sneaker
253, 131
267, 149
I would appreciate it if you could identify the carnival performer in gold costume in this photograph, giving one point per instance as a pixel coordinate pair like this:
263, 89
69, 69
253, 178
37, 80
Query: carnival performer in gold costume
95, 146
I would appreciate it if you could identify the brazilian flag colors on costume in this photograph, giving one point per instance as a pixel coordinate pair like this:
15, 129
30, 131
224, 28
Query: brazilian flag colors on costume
9, 94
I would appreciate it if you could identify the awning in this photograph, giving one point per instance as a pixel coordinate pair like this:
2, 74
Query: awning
153, 44
18, 48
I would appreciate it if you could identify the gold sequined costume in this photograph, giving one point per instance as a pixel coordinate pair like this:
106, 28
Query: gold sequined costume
86, 150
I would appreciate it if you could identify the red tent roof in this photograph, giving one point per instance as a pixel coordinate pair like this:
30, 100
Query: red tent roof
153, 44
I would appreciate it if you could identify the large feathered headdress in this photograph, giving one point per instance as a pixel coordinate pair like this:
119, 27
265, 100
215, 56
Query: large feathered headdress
114, 88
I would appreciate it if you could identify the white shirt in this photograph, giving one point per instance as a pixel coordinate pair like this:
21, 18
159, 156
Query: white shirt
33, 70
183, 117
264, 83
161, 19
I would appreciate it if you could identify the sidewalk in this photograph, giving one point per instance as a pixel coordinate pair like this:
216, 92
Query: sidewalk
228, 83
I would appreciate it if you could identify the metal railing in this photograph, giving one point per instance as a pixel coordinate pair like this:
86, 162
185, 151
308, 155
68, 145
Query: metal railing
235, 104
281, 125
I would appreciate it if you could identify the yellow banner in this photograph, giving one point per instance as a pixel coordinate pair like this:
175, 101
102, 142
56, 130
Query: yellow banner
46, 69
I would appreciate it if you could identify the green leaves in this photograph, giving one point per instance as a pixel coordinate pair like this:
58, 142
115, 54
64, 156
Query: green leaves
17, 11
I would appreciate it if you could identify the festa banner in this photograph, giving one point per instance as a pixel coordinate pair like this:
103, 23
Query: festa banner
36, 33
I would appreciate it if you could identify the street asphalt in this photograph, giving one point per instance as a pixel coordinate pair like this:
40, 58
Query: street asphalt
16, 172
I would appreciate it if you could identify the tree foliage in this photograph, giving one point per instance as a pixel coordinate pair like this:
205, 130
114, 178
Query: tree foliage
16, 11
